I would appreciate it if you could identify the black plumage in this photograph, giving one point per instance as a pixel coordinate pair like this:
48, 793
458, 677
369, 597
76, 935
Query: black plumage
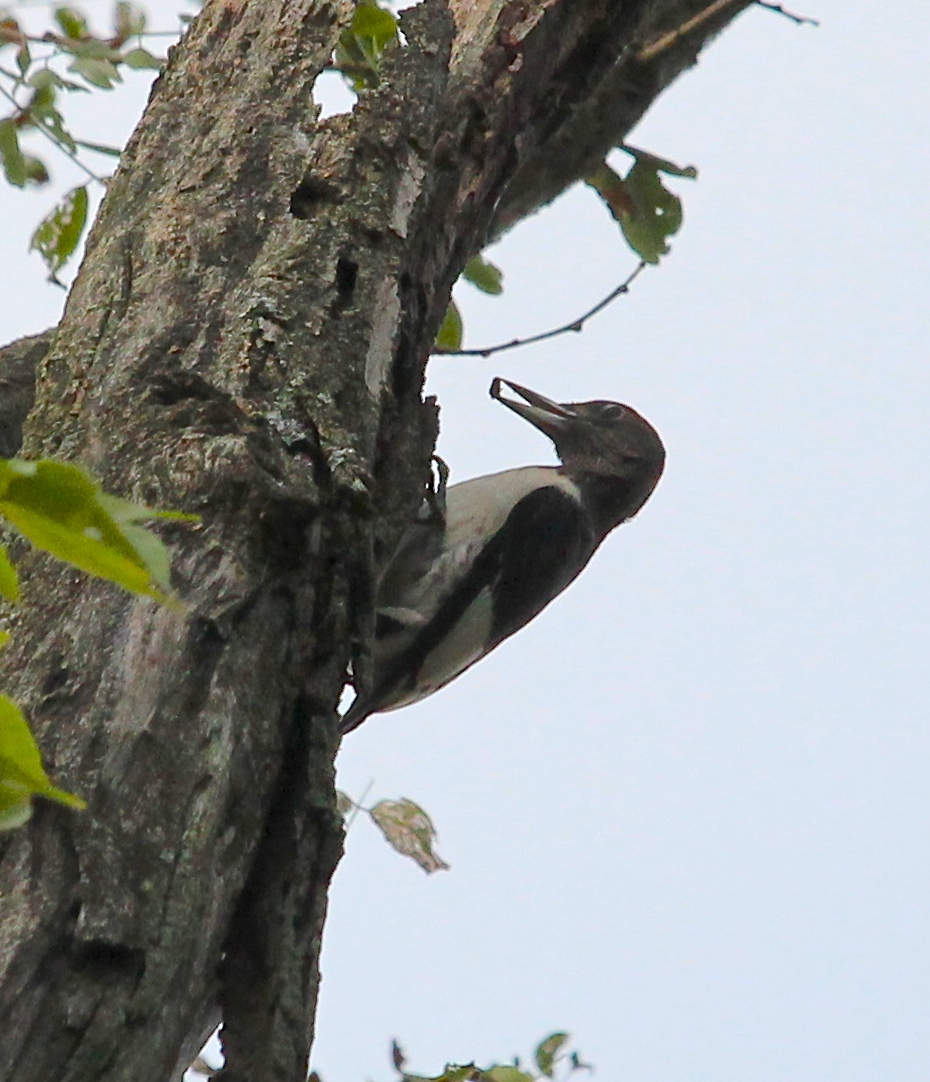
508, 544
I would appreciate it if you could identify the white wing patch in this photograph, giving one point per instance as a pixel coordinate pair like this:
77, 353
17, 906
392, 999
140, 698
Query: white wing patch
460, 648
475, 511
404, 616
496, 496
468, 530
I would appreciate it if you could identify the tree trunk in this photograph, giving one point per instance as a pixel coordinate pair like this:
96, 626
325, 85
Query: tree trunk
246, 340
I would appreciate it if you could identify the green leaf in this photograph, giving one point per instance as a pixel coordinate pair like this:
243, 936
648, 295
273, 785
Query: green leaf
508, 1073
23, 58
142, 59
458, 1073
486, 276
410, 831
9, 580
36, 170
363, 41
61, 510
59, 234
454, 1072
658, 213
15, 803
153, 553
42, 111
450, 330
129, 20
127, 511
547, 1052
21, 770
95, 48
374, 24
547, 1055
45, 77
14, 165
19, 753
72, 22
610, 187
98, 71
647, 211
345, 805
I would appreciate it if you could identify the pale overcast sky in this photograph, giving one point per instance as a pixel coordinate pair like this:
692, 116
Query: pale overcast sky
687, 809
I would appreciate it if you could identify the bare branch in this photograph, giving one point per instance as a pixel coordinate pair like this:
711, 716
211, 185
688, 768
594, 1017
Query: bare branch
697, 23
779, 10
687, 28
588, 127
574, 325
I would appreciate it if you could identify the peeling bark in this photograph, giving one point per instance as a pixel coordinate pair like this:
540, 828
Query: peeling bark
246, 340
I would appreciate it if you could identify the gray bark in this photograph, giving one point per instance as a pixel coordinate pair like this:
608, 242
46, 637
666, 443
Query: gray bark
18, 364
246, 340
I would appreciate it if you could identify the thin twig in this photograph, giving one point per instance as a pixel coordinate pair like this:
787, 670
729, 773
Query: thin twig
574, 325
358, 806
11, 99
52, 139
70, 154
666, 41
99, 148
779, 10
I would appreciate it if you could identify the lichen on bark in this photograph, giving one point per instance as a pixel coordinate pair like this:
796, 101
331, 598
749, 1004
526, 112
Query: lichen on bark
247, 340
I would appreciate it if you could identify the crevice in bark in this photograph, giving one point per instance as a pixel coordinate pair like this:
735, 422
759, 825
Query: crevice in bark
247, 340
346, 277
310, 197
270, 933
19, 362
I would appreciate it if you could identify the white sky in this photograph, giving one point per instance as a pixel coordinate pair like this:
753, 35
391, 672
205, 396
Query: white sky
687, 809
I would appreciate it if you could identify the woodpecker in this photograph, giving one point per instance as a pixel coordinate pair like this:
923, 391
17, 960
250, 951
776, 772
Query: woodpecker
492, 552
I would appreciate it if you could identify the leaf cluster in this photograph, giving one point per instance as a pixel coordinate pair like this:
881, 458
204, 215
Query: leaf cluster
43, 62
551, 1060
483, 275
33, 91
60, 509
647, 212
63, 511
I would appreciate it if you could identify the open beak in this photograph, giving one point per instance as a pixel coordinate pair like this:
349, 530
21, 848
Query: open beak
549, 417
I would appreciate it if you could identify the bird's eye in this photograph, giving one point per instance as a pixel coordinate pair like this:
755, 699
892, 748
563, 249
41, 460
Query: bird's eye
612, 411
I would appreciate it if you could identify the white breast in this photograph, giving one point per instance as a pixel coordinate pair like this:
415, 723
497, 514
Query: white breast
475, 511
478, 508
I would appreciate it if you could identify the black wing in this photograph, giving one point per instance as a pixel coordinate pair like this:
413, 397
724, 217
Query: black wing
543, 544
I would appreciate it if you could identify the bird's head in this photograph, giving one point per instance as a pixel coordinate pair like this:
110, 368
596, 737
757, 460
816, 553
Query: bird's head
594, 438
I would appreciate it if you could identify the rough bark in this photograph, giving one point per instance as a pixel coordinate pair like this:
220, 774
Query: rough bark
18, 364
247, 340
